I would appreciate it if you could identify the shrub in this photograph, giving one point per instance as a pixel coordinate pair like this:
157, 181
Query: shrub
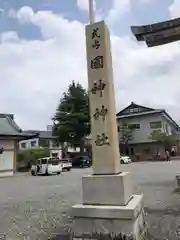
27, 157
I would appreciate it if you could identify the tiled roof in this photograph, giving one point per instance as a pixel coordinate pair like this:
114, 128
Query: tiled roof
140, 113
42, 134
8, 127
140, 109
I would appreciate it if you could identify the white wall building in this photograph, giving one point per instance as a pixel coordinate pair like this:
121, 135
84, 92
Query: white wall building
10, 134
144, 121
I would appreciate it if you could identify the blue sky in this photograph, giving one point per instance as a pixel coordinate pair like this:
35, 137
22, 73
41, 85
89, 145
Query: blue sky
42, 49
141, 13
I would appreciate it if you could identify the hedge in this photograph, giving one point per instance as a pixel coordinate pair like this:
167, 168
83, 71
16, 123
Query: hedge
27, 157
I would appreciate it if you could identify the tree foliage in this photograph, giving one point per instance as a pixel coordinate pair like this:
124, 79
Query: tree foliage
167, 140
27, 157
72, 119
125, 133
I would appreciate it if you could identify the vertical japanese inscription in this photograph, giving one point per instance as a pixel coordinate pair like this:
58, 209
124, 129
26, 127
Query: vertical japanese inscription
97, 62
100, 113
98, 86
102, 140
95, 37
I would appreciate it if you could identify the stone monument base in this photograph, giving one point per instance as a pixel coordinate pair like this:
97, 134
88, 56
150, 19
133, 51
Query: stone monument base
113, 189
90, 220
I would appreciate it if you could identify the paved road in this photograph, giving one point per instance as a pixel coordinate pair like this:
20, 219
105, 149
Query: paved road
40, 206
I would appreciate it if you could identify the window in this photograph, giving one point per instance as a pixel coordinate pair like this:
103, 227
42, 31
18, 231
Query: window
65, 161
156, 125
43, 161
54, 161
134, 110
23, 145
43, 142
127, 151
39, 162
33, 144
166, 128
134, 126
118, 128
54, 154
132, 151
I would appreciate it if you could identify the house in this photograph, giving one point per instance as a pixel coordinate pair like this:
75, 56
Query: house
43, 139
144, 120
46, 139
10, 135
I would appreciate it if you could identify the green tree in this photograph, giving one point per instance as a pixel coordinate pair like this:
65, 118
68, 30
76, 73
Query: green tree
126, 132
167, 140
27, 157
72, 119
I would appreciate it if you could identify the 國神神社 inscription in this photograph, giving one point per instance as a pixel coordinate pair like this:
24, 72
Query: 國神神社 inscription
97, 62
102, 140
105, 145
100, 113
98, 87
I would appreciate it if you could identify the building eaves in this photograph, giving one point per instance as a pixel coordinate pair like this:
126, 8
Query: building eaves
46, 135
140, 114
42, 134
177, 126
20, 136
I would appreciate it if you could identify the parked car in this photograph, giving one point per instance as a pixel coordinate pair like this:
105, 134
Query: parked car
66, 164
125, 159
46, 166
81, 161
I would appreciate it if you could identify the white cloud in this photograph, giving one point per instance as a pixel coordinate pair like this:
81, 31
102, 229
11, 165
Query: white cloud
174, 9
118, 10
25, 14
84, 5
35, 73
9, 37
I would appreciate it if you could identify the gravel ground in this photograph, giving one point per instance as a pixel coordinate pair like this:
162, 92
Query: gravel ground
39, 207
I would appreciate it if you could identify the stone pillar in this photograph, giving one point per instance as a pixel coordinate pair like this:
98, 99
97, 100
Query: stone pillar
108, 203
105, 145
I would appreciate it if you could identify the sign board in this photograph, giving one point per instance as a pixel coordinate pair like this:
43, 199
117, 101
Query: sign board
158, 33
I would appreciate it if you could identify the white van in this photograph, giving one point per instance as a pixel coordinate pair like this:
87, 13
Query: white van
47, 166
